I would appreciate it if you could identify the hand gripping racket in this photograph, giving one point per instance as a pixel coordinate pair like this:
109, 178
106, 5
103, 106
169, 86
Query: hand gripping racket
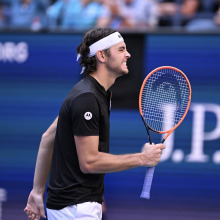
164, 101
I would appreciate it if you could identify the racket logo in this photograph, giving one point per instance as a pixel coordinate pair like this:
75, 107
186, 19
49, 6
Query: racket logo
88, 116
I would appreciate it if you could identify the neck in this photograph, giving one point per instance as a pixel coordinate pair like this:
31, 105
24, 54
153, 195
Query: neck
104, 79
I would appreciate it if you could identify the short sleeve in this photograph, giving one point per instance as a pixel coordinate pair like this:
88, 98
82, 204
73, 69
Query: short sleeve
85, 115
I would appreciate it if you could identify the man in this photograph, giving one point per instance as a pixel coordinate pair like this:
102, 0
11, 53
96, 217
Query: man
81, 147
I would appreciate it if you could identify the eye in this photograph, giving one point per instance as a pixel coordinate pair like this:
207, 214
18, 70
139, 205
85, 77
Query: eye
121, 49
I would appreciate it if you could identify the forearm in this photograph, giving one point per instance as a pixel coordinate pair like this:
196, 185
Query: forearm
93, 161
44, 159
42, 168
107, 163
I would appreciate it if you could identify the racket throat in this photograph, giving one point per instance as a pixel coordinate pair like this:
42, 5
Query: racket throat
147, 128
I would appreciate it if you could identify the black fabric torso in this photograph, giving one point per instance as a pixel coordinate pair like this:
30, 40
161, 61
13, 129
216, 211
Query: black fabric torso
67, 184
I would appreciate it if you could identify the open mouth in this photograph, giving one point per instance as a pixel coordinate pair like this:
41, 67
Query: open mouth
124, 64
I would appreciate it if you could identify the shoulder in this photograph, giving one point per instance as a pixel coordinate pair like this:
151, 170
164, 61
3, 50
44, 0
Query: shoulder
86, 98
82, 87
85, 102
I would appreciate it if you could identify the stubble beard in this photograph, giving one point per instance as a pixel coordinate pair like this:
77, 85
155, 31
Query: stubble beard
116, 70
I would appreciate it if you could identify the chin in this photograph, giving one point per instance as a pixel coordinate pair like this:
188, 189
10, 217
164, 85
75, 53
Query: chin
125, 72
122, 72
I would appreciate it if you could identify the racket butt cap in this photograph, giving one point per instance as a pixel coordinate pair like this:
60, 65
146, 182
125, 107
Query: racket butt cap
145, 195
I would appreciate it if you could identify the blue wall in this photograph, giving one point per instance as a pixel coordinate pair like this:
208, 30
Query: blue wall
36, 73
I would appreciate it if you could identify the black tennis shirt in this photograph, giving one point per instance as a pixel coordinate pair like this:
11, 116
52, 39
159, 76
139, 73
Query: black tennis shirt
84, 112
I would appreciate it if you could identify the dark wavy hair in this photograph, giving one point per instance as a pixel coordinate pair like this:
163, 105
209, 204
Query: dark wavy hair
90, 37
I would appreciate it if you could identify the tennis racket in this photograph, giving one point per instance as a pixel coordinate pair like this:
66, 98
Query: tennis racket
164, 101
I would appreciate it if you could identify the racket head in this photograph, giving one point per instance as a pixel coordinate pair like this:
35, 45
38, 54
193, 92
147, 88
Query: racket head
164, 99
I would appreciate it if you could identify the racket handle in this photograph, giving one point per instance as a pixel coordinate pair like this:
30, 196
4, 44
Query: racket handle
147, 183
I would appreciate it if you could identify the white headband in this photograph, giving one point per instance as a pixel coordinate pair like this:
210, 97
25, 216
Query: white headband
104, 43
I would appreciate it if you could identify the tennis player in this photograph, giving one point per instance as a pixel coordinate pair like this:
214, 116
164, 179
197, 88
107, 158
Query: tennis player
79, 156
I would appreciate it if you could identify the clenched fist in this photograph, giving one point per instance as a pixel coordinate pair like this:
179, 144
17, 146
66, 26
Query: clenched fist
151, 154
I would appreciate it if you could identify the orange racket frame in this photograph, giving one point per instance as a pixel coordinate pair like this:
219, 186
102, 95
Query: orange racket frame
187, 108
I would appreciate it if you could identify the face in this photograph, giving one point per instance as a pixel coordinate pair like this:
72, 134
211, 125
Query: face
117, 61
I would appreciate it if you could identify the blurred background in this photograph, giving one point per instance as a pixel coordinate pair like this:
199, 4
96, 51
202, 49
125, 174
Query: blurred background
38, 40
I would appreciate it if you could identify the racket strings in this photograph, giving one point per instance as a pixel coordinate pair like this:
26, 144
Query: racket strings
164, 99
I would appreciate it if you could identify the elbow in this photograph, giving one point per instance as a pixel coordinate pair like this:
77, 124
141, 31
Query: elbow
47, 140
86, 168
50, 133
46, 136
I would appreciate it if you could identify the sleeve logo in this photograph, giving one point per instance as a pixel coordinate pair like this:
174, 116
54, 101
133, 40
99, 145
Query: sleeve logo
88, 115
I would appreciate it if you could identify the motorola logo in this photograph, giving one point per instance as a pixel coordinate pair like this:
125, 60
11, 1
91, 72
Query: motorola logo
88, 115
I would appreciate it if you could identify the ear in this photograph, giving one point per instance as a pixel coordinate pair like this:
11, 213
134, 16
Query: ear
101, 56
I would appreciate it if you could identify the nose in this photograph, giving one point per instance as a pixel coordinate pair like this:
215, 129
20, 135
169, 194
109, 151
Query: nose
128, 55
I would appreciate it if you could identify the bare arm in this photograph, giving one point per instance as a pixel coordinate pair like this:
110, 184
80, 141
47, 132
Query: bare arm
35, 206
44, 158
93, 161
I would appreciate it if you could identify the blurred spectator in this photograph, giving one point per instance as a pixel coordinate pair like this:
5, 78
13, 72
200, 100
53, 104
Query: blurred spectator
207, 19
193, 15
178, 12
28, 14
131, 14
78, 15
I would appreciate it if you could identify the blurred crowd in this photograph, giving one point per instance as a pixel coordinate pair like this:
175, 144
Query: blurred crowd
134, 15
